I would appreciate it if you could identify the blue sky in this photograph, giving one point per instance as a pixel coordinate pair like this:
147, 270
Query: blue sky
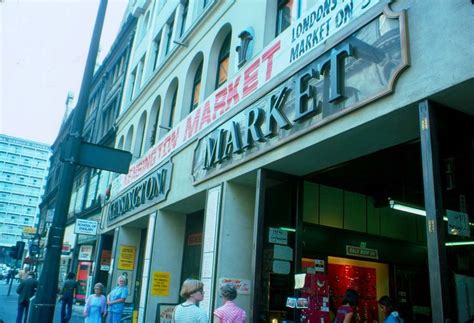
43, 49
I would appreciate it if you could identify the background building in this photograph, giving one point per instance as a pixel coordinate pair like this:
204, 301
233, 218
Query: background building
23, 170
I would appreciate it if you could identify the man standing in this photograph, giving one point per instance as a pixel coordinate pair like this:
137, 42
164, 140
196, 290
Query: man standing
26, 290
67, 297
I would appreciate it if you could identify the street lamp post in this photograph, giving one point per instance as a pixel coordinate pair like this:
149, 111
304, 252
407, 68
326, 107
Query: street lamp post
42, 307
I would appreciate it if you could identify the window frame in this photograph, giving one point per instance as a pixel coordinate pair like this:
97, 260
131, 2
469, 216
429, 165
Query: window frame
224, 55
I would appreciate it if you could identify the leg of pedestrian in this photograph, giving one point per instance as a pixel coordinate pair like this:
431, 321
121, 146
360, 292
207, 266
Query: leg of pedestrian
19, 315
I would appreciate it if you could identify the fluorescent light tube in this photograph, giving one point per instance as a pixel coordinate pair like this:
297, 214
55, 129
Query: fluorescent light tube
459, 243
287, 229
401, 207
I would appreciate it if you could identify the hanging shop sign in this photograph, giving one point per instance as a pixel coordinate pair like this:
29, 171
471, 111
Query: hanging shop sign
152, 189
126, 258
321, 26
85, 252
86, 227
359, 70
362, 252
458, 223
276, 235
105, 260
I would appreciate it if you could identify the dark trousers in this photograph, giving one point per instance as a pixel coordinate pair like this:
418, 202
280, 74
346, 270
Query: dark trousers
22, 306
66, 309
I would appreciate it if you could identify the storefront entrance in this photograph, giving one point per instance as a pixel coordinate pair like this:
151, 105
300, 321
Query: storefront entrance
338, 227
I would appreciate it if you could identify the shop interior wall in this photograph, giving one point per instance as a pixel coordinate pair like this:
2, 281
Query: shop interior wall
337, 208
236, 239
127, 236
167, 256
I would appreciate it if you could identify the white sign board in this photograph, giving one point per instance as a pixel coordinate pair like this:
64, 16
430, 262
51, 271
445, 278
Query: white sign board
85, 252
458, 223
282, 252
86, 227
277, 236
281, 267
211, 224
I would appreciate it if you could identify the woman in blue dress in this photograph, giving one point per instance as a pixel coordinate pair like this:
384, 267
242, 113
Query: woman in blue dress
116, 300
95, 307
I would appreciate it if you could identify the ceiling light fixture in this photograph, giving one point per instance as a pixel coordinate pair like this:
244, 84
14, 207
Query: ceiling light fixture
414, 210
287, 229
405, 208
459, 243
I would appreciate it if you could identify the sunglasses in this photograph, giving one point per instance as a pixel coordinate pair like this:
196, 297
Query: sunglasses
198, 290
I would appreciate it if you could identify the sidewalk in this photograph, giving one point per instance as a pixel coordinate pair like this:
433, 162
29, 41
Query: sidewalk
9, 304
76, 317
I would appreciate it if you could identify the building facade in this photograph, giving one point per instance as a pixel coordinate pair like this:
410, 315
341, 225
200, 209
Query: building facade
296, 148
24, 166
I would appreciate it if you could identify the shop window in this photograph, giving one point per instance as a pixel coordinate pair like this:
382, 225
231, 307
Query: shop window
223, 62
196, 87
192, 251
283, 15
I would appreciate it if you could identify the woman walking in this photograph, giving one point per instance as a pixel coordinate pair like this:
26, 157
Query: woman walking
189, 312
95, 307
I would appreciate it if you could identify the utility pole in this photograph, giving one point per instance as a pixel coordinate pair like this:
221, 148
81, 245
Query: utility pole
42, 307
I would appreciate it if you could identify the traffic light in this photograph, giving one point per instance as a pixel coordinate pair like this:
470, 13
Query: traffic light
16, 252
12, 252
20, 247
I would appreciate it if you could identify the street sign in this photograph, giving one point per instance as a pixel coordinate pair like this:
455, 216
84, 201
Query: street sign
86, 227
106, 158
29, 230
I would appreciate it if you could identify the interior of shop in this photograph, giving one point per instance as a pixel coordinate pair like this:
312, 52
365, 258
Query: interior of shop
361, 224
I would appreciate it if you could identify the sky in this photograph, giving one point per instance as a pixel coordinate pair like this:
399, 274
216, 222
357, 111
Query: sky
43, 51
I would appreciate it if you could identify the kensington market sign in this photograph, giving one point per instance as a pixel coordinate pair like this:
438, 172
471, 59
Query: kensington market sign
315, 28
358, 70
152, 189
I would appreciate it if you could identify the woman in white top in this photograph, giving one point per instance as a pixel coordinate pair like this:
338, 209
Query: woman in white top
189, 311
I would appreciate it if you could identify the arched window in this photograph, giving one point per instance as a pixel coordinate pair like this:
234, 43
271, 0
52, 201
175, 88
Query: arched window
223, 62
196, 87
283, 15
172, 108
138, 148
120, 143
153, 124
128, 140
144, 26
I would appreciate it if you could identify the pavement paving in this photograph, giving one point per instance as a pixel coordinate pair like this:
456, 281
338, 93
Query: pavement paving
9, 304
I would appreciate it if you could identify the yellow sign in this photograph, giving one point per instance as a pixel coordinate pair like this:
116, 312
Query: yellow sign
161, 284
126, 258
29, 230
